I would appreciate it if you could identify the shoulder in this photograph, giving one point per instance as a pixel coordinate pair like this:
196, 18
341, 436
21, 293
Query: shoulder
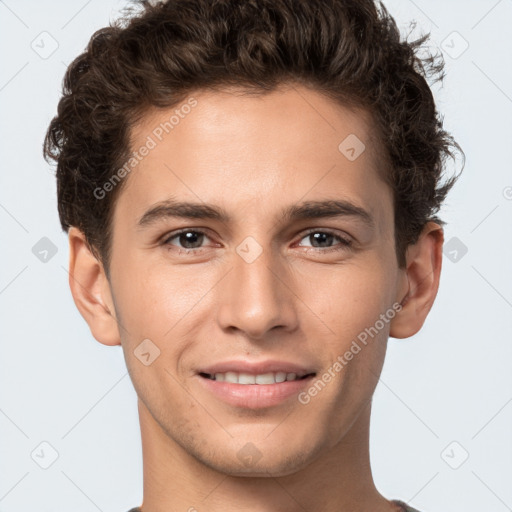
406, 508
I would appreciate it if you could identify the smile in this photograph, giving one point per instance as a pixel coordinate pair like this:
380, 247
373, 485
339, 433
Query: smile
254, 391
260, 379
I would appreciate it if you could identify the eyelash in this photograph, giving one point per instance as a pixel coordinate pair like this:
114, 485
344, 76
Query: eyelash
344, 244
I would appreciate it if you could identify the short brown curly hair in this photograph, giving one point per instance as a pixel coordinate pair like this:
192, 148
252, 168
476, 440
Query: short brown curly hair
155, 54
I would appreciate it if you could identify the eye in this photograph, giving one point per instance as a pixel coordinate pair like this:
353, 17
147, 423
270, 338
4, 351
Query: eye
191, 240
323, 239
188, 238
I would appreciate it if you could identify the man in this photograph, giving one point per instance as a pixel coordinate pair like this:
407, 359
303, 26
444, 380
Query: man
250, 190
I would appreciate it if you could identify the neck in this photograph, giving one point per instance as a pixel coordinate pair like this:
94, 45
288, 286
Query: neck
339, 478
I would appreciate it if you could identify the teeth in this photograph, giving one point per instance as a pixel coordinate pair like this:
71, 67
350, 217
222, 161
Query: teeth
280, 377
231, 377
247, 378
265, 378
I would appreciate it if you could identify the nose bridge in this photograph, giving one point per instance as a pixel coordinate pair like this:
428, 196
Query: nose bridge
256, 296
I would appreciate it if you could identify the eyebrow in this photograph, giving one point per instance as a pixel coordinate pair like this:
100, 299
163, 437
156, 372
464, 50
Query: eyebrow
172, 208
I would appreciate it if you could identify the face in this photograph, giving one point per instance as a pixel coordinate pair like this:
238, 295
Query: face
283, 259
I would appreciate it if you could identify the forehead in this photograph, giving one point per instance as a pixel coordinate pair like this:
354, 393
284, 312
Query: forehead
231, 147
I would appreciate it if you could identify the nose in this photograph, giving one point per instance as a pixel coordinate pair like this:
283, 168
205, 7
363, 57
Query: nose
257, 297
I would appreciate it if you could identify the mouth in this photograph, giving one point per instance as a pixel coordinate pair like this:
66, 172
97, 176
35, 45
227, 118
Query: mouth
252, 387
260, 379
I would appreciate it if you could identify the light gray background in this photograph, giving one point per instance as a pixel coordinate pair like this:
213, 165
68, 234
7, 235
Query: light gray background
450, 383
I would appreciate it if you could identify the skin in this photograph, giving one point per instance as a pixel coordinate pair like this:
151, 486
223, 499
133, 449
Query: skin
299, 302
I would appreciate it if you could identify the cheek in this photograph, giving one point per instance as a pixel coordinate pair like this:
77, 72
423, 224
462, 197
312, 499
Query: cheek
167, 305
152, 298
343, 300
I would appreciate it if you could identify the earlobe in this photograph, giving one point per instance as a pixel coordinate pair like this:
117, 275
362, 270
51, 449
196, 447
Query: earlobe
423, 271
91, 291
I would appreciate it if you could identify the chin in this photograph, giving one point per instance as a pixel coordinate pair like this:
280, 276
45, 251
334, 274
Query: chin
251, 461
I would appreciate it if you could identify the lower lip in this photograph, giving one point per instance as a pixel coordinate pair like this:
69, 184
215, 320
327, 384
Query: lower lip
255, 396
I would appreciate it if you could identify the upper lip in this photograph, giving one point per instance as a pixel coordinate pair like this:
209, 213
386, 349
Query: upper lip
257, 368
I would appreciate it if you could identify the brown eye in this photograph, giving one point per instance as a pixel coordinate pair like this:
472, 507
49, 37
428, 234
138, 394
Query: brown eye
325, 239
187, 239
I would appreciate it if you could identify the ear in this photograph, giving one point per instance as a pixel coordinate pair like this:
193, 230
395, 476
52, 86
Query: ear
91, 290
423, 270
